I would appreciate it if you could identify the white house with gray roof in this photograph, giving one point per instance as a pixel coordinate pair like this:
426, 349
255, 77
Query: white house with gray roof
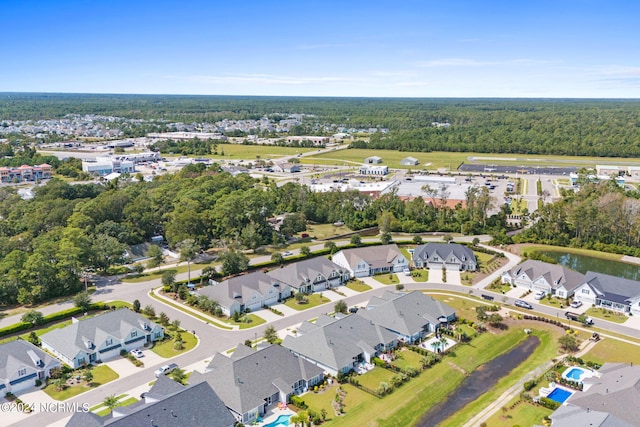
22, 364
409, 315
452, 256
246, 292
610, 292
251, 382
101, 337
553, 279
609, 399
167, 404
340, 345
311, 275
371, 260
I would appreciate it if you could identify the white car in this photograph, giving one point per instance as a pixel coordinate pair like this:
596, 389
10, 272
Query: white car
576, 304
287, 253
137, 353
539, 295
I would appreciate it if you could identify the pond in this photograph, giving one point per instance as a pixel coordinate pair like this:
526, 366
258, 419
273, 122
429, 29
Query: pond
480, 380
583, 263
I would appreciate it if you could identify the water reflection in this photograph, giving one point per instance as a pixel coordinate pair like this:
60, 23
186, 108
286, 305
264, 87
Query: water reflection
583, 263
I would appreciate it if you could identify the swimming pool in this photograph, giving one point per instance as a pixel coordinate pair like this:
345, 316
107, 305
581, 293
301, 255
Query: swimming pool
559, 395
282, 420
575, 373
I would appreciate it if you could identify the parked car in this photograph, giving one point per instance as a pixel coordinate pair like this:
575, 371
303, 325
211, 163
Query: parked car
576, 304
540, 294
137, 353
407, 271
287, 253
523, 304
164, 370
577, 317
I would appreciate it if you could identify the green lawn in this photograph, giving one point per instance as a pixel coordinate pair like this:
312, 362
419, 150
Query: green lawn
613, 350
254, 321
314, 300
560, 304
407, 358
524, 414
155, 274
165, 348
252, 152
611, 316
355, 398
102, 374
528, 248
420, 275
483, 258
217, 323
323, 231
374, 377
126, 402
357, 285
387, 279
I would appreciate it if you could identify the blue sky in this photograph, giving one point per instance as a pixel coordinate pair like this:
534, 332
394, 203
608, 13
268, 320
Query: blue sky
401, 48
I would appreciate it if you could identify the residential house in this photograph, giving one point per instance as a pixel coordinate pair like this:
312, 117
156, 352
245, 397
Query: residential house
610, 292
246, 292
370, 260
452, 256
315, 140
167, 404
311, 275
410, 316
373, 160
608, 399
552, 279
340, 345
409, 161
22, 364
101, 337
250, 382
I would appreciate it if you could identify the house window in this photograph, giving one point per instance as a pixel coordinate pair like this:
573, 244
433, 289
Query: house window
585, 291
435, 259
134, 334
22, 372
109, 342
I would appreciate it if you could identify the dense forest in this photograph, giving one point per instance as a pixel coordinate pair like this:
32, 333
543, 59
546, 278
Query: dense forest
46, 242
525, 126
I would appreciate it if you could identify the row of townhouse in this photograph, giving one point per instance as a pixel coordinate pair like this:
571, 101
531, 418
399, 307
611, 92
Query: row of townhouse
258, 289
87, 341
597, 289
339, 344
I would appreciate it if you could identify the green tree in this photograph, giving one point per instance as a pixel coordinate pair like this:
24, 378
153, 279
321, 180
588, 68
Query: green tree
385, 238
417, 240
305, 250
155, 257
188, 250
270, 334
87, 375
149, 311
277, 258
176, 324
32, 316
136, 305
168, 278
178, 375
568, 343
340, 307
82, 301
33, 338
110, 402
163, 318
331, 246
356, 240
233, 262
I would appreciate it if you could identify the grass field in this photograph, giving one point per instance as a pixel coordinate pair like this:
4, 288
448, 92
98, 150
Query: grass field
387, 279
255, 321
528, 248
357, 285
323, 231
612, 350
165, 348
611, 316
126, 402
420, 275
314, 300
102, 374
451, 161
252, 152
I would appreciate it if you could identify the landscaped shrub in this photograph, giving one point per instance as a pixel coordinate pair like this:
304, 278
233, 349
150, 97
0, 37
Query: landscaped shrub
298, 402
529, 385
549, 404
15, 328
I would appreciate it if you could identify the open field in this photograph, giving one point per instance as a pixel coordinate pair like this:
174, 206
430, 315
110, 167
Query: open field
451, 161
253, 152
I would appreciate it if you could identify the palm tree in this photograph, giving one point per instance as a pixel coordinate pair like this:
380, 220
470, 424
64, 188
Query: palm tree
435, 345
87, 375
443, 342
60, 383
110, 402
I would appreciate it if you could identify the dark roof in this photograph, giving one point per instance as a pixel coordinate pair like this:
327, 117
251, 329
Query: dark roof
444, 251
245, 379
305, 271
16, 354
613, 288
193, 406
556, 275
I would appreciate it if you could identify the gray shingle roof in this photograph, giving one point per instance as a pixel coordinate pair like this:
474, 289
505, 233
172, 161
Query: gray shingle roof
18, 353
444, 251
406, 313
336, 344
375, 256
616, 393
571, 416
117, 324
193, 406
555, 274
244, 382
306, 271
616, 289
236, 289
